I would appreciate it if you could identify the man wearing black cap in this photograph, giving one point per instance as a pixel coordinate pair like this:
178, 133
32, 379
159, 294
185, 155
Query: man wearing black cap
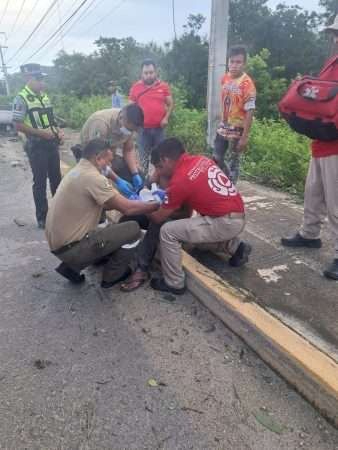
33, 116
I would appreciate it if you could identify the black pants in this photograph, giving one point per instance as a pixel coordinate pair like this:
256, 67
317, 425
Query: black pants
44, 160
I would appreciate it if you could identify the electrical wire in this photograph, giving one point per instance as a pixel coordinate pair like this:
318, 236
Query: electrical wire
57, 31
17, 18
105, 16
4, 11
37, 26
83, 16
30, 13
79, 20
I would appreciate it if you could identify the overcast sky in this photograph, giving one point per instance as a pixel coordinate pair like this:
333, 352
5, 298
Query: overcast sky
145, 20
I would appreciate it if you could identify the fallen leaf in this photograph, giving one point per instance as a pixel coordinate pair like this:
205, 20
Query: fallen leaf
37, 274
42, 363
152, 382
268, 422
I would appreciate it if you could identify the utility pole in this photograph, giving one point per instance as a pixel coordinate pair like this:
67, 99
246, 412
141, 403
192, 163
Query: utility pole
218, 44
4, 67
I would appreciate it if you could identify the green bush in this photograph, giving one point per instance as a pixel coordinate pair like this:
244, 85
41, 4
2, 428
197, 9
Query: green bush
76, 111
189, 125
277, 156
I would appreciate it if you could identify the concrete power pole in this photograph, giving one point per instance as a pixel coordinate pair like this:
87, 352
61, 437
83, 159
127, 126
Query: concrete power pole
4, 68
217, 62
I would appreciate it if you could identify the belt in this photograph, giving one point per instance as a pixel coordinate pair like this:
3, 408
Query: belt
232, 215
63, 249
236, 215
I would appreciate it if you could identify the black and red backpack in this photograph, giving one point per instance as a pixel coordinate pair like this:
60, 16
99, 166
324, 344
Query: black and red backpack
310, 106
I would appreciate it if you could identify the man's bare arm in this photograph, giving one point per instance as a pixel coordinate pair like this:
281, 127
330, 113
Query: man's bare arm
169, 103
242, 143
30, 131
129, 155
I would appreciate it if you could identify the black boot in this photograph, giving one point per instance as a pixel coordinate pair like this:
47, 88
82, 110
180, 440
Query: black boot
241, 256
298, 241
160, 285
332, 271
70, 274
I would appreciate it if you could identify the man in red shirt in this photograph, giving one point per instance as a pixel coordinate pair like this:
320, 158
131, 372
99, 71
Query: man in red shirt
321, 188
198, 183
154, 97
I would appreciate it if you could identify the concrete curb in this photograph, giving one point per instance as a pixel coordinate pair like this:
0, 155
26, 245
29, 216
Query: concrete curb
313, 373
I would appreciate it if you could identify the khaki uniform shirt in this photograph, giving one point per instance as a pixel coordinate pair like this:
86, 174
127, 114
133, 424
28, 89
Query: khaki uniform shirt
77, 205
105, 125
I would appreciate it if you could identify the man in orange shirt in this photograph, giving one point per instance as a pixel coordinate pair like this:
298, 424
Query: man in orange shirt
321, 188
238, 105
154, 98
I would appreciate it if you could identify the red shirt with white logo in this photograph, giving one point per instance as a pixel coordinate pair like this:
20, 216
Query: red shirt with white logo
152, 101
321, 149
200, 184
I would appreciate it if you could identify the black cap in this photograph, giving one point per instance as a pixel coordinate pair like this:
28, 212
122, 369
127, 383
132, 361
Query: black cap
33, 70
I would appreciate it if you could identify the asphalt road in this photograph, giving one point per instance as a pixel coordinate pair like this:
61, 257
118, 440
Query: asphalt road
86, 369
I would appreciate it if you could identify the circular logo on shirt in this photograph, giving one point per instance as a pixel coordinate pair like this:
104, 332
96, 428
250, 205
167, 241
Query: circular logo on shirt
220, 183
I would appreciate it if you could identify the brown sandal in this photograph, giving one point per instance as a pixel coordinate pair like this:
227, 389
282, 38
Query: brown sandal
135, 281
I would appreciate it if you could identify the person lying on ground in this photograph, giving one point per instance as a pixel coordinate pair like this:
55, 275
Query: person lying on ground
198, 183
73, 217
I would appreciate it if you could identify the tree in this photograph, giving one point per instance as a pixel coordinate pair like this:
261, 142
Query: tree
186, 61
288, 32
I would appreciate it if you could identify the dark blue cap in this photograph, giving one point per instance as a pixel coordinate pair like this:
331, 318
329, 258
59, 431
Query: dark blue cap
33, 70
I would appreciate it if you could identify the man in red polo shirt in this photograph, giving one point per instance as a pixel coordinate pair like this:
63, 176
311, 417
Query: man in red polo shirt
198, 183
154, 97
321, 188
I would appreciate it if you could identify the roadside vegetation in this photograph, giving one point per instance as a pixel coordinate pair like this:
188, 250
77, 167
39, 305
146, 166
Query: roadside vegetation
282, 42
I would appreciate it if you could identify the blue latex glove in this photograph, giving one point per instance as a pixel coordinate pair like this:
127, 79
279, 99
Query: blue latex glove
124, 187
137, 182
159, 194
134, 197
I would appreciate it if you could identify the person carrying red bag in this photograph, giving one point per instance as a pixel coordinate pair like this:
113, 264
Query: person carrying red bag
321, 188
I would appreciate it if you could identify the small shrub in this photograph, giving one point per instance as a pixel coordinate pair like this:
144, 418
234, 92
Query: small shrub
277, 156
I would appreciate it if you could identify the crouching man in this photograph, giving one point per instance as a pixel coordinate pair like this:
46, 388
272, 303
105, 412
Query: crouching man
197, 183
74, 214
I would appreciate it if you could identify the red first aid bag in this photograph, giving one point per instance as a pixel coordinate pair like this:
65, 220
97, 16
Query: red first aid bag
310, 107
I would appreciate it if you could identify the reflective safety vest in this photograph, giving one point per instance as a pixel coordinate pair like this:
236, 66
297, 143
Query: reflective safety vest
39, 109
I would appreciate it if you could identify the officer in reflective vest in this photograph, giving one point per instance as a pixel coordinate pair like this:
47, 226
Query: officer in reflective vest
33, 116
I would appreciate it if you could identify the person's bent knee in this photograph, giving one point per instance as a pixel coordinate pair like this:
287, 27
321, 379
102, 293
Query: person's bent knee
166, 232
133, 229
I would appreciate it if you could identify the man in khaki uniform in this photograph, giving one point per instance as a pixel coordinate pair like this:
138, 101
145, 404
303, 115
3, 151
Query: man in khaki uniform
74, 214
118, 127
321, 188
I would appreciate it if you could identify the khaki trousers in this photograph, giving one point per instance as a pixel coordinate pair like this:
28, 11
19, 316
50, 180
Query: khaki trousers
321, 198
219, 234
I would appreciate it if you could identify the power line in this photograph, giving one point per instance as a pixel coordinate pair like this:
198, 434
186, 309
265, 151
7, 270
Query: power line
105, 16
5, 10
30, 13
79, 20
17, 18
58, 30
83, 16
50, 8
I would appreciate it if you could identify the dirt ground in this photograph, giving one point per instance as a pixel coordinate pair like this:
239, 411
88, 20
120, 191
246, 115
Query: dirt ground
83, 368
